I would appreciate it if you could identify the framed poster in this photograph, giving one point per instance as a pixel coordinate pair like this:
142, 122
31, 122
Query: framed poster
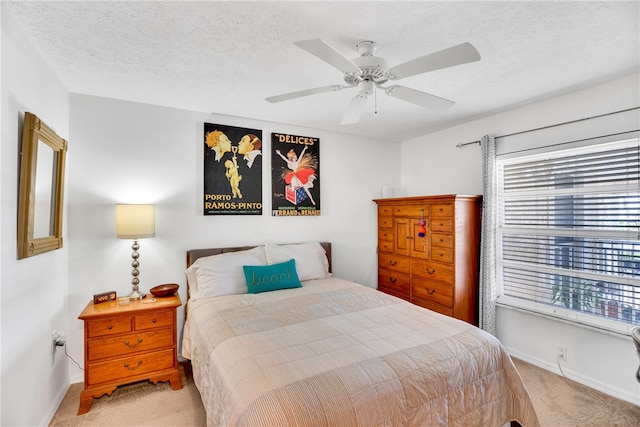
295, 175
232, 170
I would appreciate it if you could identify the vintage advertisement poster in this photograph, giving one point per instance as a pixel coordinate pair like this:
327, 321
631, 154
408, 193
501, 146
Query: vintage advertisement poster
295, 175
232, 170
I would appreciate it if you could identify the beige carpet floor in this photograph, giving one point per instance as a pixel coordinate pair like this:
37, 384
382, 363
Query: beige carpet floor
559, 402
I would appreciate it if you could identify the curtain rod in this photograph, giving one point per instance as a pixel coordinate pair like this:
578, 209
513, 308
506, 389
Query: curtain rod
551, 126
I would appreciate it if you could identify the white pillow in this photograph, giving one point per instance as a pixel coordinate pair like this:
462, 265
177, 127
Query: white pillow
311, 258
222, 274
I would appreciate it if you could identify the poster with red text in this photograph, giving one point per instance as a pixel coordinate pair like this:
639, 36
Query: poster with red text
295, 175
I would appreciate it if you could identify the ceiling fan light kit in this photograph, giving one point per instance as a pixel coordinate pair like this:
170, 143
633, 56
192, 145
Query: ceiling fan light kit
368, 72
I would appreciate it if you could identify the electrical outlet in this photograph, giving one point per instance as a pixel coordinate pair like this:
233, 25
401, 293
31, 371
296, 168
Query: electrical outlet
57, 340
54, 340
562, 353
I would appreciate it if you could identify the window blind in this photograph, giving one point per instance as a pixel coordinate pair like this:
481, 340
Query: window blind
569, 229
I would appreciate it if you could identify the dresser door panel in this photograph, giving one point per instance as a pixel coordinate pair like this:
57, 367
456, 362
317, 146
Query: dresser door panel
402, 227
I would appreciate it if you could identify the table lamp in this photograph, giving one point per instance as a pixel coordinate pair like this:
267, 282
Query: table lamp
135, 222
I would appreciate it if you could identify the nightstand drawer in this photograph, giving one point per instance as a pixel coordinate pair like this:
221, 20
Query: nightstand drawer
128, 344
154, 320
115, 370
111, 326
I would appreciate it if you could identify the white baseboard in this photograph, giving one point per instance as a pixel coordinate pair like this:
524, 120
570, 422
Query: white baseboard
577, 377
54, 406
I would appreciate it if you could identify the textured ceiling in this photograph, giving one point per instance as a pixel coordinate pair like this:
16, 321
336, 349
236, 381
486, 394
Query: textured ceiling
227, 57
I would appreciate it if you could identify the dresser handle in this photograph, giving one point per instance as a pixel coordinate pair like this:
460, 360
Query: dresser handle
441, 224
110, 327
392, 279
430, 272
430, 291
134, 345
126, 365
153, 321
393, 262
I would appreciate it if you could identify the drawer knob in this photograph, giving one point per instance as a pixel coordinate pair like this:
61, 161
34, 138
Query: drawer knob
110, 327
430, 291
393, 262
393, 279
432, 271
154, 321
133, 345
126, 365
441, 224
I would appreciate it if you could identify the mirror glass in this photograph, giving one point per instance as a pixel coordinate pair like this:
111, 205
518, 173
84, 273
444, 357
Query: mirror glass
45, 183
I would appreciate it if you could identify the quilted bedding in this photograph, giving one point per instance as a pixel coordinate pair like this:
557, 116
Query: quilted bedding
335, 353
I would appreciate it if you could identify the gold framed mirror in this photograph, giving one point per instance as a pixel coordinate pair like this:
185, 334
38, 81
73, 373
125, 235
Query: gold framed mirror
41, 193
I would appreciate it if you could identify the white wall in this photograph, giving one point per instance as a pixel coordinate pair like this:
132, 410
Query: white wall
123, 152
432, 164
33, 291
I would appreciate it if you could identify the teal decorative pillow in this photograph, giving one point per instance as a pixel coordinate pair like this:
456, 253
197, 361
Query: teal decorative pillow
264, 278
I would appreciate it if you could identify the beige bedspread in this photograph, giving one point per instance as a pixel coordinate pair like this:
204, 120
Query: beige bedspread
335, 353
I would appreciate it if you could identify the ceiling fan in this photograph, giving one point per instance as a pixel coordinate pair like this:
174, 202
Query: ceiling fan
368, 73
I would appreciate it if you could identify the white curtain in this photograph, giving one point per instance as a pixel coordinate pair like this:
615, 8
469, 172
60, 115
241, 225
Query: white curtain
487, 287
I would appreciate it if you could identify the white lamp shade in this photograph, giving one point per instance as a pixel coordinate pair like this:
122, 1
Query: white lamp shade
135, 221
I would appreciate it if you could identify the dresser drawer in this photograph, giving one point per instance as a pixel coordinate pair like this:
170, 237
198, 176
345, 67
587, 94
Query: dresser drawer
385, 246
445, 209
394, 283
442, 254
434, 307
412, 211
385, 222
385, 234
394, 262
427, 290
440, 240
127, 344
154, 320
385, 210
110, 326
432, 271
126, 367
442, 224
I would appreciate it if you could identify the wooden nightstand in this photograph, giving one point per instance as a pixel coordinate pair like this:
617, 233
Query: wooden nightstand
128, 343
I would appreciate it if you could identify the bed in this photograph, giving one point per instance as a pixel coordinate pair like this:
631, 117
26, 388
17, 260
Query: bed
331, 352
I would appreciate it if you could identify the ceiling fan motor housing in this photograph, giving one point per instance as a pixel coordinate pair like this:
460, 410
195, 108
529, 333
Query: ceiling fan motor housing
373, 68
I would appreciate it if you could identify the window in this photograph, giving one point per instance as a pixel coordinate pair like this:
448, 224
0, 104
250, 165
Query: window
568, 238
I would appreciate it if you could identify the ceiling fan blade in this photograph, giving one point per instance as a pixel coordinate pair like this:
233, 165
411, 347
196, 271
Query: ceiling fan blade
417, 97
306, 92
328, 54
455, 55
354, 111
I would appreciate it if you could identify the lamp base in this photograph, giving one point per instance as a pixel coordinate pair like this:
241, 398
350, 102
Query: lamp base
136, 294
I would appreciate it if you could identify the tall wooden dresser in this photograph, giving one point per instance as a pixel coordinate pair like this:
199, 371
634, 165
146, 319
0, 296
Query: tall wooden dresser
434, 265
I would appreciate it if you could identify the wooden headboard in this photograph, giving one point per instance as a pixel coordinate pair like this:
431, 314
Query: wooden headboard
194, 254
